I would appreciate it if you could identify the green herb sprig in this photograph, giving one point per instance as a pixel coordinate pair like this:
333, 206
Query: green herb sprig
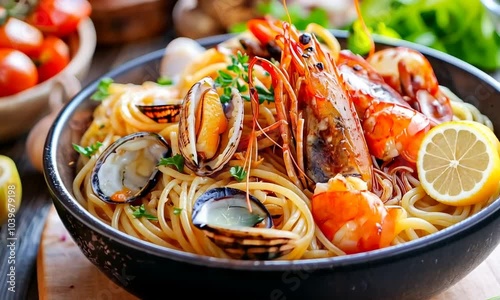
176, 160
89, 150
164, 80
102, 89
238, 173
227, 81
140, 212
177, 211
239, 66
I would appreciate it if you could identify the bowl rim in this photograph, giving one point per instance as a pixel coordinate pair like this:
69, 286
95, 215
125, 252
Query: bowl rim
64, 197
83, 55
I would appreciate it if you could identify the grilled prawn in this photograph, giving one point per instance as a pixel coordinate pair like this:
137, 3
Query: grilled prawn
411, 74
325, 137
390, 125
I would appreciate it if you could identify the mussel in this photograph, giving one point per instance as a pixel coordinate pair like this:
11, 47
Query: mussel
209, 131
223, 215
127, 169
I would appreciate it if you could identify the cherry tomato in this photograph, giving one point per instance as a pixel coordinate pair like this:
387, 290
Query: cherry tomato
52, 58
17, 72
59, 17
19, 35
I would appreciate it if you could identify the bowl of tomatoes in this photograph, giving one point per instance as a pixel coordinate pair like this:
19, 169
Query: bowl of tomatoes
40, 41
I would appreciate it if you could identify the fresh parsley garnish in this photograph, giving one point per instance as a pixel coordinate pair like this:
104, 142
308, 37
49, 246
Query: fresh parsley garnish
238, 172
164, 80
102, 89
89, 150
225, 80
140, 212
176, 160
177, 211
239, 70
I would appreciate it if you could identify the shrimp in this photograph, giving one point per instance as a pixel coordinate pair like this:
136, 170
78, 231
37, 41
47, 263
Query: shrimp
324, 124
397, 98
365, 84
323, 140
390, 125
411, 74
351, 217
333, 133
391, 130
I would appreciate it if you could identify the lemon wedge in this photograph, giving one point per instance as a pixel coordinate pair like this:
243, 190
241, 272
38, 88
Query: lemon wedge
458, 163
10, 189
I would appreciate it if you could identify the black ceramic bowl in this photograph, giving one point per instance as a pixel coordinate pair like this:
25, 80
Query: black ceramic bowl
415, 270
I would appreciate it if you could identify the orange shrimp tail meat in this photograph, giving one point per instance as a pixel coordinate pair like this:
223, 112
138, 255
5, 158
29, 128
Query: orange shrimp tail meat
350, 216
392, 130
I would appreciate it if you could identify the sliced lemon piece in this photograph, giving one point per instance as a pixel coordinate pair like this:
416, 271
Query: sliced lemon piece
458, 163
10, 189
489, 133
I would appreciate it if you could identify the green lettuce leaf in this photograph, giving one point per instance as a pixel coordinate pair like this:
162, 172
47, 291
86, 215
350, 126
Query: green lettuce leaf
461, 28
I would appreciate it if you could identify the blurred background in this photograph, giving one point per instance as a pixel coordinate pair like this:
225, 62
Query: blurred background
467, 29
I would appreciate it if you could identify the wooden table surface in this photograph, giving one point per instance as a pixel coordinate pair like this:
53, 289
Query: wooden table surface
36, 202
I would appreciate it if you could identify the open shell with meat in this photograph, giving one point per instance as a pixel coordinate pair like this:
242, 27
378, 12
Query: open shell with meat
209, 131
127, 169
224, 216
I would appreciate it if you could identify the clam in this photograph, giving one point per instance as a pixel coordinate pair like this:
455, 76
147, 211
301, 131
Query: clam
127, 169
209, 131
162, 113
224, 217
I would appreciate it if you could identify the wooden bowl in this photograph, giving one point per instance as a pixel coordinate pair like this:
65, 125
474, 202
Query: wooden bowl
122, 21
19, 112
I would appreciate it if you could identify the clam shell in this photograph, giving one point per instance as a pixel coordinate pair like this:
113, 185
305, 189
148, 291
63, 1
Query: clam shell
187, 134
252, 243
164, 113
223, 215
120, 176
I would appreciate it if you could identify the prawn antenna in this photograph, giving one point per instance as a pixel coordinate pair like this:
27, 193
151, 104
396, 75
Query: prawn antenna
365, 28
286, 11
